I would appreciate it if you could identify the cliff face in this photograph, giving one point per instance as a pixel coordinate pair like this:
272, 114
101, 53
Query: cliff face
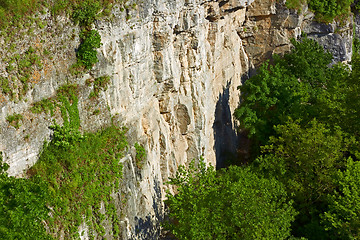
174, 67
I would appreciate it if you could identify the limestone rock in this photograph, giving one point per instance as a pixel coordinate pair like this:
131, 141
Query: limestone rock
174, 67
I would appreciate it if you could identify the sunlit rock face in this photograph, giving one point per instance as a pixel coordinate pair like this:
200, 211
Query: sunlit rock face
174, 67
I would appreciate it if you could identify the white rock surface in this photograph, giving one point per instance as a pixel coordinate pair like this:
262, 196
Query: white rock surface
175, 67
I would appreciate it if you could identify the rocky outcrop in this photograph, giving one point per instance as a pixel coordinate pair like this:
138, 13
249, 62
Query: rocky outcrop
269, 26
175, 67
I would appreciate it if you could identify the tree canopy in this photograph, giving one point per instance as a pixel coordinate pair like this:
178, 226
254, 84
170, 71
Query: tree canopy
231, 204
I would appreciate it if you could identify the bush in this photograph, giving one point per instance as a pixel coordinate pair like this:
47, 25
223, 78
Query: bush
140, 155
79, 178
87, 50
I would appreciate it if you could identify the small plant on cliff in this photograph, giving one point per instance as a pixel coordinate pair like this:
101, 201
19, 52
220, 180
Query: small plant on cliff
85, 12
14, 120
45, 105
100, 84
140, 156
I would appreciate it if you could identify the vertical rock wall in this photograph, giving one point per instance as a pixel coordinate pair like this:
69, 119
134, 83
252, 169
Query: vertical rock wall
175, 67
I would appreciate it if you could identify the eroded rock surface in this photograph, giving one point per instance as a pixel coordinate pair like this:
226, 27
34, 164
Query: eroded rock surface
175, 67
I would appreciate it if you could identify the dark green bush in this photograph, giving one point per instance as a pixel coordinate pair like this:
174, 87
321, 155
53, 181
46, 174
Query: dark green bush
86, 54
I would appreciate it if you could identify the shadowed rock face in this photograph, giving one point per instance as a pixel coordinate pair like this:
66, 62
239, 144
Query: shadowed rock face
174, 68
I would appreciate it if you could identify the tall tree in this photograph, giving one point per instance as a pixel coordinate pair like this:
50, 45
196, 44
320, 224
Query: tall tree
232, 204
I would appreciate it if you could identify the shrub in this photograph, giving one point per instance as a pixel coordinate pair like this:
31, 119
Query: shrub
140, 155
79, 178
87, 50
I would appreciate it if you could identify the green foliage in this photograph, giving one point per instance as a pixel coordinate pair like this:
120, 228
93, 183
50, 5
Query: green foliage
342, 218
87, 51
65, 137
349, 120
267, 99
305, 114
14, 120
300, 85
5, 86
325, 10
14, 10
45, 105
304, 159
22, 207
99, 84
85, 12
235, 204
140, 155
67, 97
80, 177
81, 171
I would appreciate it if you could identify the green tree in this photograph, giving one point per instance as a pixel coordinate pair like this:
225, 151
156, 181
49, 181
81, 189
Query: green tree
342, 219
300, 85
231, 204
22, 207
305, 159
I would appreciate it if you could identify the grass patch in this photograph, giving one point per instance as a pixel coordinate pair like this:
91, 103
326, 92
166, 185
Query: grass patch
14, 120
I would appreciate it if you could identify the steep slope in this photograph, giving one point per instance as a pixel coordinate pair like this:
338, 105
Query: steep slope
174, 68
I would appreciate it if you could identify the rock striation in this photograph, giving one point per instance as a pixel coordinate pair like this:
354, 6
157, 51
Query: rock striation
174, 67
